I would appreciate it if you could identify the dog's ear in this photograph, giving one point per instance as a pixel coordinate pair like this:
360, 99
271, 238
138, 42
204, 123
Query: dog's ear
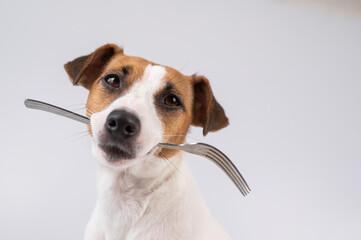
207, 112
84, 70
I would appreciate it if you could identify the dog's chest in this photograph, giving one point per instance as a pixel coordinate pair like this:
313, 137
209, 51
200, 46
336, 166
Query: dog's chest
122, 204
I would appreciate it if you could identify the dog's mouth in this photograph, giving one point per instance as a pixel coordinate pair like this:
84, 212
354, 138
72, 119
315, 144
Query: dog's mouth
115, 153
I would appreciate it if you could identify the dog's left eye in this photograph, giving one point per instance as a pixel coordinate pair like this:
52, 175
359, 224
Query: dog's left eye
112, 80
172, 101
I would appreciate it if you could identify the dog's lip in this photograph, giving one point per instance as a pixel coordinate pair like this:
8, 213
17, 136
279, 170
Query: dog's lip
115, 153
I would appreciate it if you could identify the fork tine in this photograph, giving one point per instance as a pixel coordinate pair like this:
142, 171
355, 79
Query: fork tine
228, 171
231, 166
221, 164
225, 161
232, 177
217, 157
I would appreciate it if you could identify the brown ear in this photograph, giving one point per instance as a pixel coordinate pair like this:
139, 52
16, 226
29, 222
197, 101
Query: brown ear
84, 70
207, 112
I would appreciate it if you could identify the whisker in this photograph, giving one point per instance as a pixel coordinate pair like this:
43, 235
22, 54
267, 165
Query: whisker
83, 108
169, 141
171, 135
184, 66
85, 135
77, 109
89, 111
179, 135
76, 104
165, 158
193, 138
71, 109
125, 173
74, 135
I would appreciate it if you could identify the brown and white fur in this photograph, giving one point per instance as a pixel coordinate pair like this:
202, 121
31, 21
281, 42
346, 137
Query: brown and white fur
145, 195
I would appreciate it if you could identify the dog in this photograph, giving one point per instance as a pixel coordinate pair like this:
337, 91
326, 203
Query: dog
134, 104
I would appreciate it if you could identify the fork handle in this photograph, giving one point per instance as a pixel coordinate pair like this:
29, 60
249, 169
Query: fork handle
34, 104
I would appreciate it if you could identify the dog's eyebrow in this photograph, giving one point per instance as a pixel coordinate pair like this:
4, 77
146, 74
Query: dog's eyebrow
169, 86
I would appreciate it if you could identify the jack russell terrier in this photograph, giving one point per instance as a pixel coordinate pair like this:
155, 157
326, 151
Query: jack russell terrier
134, 104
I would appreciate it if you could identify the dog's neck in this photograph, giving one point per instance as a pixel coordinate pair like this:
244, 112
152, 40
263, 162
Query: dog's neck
141, 179
128, 197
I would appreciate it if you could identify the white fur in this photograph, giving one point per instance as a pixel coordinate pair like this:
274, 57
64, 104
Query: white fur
147, 198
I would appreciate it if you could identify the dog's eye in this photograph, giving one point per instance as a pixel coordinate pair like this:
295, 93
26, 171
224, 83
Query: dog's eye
172, 101
112, 80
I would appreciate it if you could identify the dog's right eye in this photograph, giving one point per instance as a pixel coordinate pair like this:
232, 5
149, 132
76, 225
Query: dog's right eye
112, 80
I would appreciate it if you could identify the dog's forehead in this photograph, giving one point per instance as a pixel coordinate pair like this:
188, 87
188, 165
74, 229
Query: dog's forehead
120, 60
146, 76
151, 81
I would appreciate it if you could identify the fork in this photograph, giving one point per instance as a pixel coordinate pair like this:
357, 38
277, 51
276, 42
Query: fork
217, 157
201, 149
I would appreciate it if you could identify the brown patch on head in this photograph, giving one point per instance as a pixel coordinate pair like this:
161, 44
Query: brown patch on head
176, 120
199, 108
89, 71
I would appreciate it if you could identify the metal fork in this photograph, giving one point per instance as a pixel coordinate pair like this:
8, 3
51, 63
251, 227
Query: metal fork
201, 149
216, 156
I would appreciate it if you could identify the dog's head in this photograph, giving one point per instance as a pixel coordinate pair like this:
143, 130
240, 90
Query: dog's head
135, 104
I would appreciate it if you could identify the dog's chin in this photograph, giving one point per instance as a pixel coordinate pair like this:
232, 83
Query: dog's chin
121, 157
112, 155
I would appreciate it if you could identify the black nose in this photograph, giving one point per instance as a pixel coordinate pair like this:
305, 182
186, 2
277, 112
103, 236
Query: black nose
122, 124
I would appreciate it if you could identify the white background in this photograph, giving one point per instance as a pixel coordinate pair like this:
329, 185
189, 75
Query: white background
289, 78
